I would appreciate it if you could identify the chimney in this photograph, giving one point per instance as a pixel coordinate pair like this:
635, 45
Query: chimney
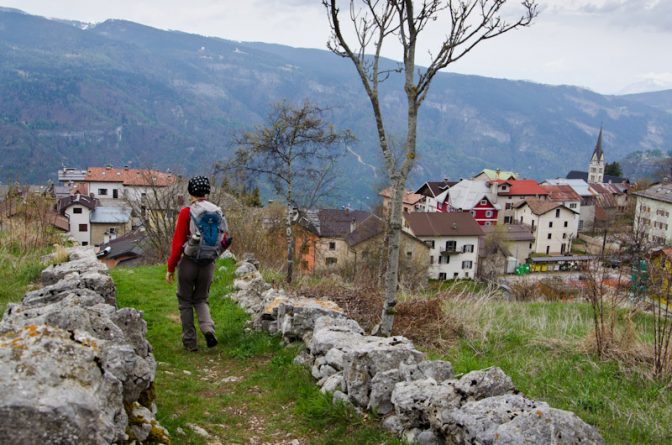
497, 172
108, 167
353, 225
126, 167
454, 226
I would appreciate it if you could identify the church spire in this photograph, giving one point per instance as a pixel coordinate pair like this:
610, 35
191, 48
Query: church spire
598, 154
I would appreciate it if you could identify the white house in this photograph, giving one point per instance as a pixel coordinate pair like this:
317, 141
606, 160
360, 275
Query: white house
652, 213
77, 209
587, 206
452, 239
554, 226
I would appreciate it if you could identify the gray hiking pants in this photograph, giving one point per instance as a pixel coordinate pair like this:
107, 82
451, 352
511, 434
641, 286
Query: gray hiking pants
193, 288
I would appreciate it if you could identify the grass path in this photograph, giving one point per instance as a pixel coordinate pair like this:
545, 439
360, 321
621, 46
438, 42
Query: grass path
244, 391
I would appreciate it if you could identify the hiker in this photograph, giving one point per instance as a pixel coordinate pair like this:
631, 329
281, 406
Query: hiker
200, 237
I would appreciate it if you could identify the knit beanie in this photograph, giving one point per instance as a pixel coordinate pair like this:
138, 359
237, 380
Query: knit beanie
199, 186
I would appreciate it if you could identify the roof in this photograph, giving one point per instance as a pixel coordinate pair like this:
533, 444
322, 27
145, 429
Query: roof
659, 192
467, 193
82, 200
58, 221
442, 224
126, 245
497, 174
561, 193
332, 223
524, 187
111, 215
511, 232
410, 198
540, 207
605, 195
130, 177
576, 174
578, 185
435, 188
367, 229
667, 251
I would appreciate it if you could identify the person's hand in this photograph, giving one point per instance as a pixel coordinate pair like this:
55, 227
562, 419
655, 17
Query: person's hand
170, 277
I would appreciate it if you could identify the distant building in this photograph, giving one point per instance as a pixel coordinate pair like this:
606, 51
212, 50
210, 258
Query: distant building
474, 197
596, 166
587, 207
554, 226
123, 251
431, 190
492, 175
412, 202
77, 210
453, 240
652, 213
512, 191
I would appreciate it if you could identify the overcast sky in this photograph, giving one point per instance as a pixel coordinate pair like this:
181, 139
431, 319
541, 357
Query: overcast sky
609, 46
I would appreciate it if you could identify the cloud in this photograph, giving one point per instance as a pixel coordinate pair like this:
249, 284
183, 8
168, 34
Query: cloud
653, 15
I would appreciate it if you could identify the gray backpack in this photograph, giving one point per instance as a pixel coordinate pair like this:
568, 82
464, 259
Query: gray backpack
207, 228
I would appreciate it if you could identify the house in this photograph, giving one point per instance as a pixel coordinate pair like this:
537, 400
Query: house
553, 225
587, 207
652, 213
512, 191
513, 240
77, 210
474, 197
453, 240
113, 185
565, 194
412, 202
108, 223
320, 237
126, 250
431, 190
366, 243
492, 175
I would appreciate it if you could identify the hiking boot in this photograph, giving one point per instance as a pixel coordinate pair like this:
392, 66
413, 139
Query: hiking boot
210, 339
191, 348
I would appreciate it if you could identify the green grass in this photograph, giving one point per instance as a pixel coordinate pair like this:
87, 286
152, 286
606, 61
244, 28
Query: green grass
540, 345
17, 271
271, 400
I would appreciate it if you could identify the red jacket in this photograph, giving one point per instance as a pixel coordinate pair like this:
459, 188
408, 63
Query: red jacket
179, 238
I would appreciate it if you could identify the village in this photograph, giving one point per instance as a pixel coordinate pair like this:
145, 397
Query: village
494, 224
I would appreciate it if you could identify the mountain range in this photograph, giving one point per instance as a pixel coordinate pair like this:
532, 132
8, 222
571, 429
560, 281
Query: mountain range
121, 93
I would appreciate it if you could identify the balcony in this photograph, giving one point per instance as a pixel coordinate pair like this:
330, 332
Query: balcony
450, 250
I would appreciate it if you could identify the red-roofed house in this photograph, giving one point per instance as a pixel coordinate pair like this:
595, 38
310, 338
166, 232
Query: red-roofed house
111, 184
513, 191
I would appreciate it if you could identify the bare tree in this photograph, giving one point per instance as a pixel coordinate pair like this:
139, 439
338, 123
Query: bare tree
375, 23
296, 150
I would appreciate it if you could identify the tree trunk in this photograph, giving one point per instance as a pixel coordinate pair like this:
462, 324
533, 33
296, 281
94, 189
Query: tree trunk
392, 273
290, 236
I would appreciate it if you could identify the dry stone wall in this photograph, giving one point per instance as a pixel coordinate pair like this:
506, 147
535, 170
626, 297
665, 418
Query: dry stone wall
74, 369
422, 401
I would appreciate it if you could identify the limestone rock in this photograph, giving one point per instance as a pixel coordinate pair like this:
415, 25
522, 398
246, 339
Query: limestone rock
54, 391
296, 316
484, 383
438, 370
55, 273
332, 383
382, 385
417, 402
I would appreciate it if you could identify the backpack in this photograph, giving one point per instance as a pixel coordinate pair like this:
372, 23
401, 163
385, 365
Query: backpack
207, 230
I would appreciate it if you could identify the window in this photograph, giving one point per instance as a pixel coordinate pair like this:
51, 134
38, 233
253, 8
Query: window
488, 223
430, 244
85, 243
484, 202
83, 227
508, 206
550, 224
115, 193
530, 245
466, 264
507, 220
521, 220
557, 213
467, 248
112, 230
488, 213
456, 275
572, 205
431, 259
332, 246
564, 236
466, 275
549, 236
566, 224
102, 192
451, 246
473, 213
409, 254
442, 276
77, 210
548, 249
331, 261
580, 224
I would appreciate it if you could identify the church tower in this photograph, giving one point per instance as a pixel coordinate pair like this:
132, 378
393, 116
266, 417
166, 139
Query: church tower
596, 166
